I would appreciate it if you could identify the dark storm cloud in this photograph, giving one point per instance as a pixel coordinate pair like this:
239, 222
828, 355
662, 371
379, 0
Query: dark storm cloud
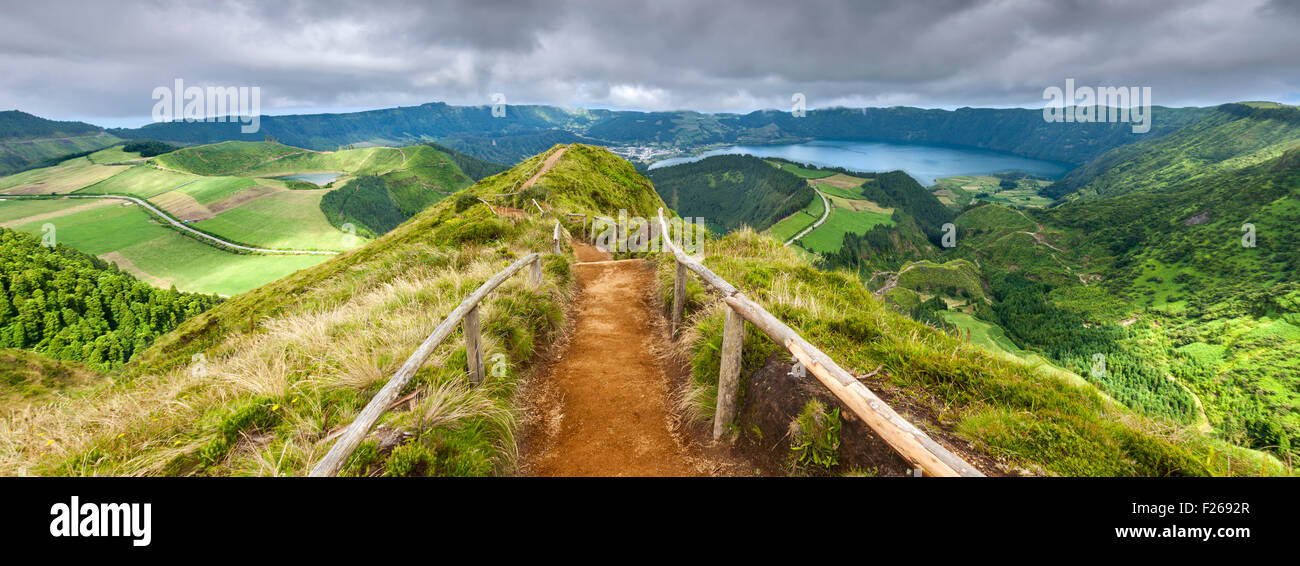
99, 60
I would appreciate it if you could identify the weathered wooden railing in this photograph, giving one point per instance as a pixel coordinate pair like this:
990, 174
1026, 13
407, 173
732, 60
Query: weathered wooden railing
905, 438
468, 312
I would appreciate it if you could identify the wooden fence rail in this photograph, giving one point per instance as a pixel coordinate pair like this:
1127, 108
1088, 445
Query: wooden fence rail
468, 312
905, 438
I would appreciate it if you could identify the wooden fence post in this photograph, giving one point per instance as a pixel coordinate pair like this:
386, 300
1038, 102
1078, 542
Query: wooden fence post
535, 272
555, 237
733, 337
473, 346
679, 296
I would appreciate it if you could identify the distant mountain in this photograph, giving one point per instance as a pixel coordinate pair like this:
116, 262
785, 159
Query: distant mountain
1229, 138
28, 141
525, 129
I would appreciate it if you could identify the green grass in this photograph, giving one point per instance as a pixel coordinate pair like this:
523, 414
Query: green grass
158, 255
65, 177
284, 220
17, 154
1034, 420
832, 190
225, 158
829, 237
140, 181
28, 378
929, 277
800, 171
286, 363
208, 190
113, 154
787, 227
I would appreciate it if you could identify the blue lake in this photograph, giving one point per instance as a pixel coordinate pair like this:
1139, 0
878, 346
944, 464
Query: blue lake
924, 162
319, 179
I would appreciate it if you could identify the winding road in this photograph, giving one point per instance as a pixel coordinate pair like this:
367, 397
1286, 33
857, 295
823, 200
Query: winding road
182, 225
825, 214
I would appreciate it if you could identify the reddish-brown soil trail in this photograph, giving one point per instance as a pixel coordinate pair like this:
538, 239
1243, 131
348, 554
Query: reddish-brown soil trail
603, 406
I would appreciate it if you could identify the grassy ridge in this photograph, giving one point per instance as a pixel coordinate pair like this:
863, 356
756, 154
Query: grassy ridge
1028, 420
28, 141
1233, 137
257, 384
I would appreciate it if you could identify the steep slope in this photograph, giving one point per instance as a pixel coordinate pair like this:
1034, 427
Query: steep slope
1192, 285
258, 384
729, 191
28, 141
28, 378
1021, 419
72, 306
1232, 137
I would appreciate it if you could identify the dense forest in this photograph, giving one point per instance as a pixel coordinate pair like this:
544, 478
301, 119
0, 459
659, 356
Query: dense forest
1093, 350
896, 189
72, 306
148, 148
730, 191
473, 167
365, 203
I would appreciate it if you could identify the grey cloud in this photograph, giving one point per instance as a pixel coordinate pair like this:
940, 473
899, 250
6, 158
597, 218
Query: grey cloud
97, 60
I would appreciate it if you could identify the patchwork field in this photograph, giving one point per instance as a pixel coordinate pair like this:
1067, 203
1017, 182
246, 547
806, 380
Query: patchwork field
115, 155
961, 190
140, 181
281, 219
224, 190
850, 211
829, 237
787, 227
139, 244
65, 177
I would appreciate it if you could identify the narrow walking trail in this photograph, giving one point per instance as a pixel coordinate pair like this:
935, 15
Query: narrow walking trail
603, 408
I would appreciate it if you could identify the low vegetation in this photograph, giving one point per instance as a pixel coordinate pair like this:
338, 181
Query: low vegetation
1029, 421
260, 383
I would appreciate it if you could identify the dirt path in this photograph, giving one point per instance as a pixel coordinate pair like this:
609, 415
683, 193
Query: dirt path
603, 406
546, 166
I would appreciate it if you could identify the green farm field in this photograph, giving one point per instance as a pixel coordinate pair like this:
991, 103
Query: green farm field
829, 237
65, 177
795, 223
282, 220
137, 243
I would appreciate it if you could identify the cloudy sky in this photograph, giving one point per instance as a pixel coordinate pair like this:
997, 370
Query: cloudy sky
99, 61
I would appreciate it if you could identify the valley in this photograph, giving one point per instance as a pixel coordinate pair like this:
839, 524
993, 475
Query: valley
228, 217
1063, 283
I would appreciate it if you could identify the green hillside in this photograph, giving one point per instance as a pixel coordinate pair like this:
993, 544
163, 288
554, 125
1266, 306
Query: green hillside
259, 383
385, 185
1232, 137
28, 378
28, 141
1162, 283
72, 306
252, 385
1006, 408
730, 191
